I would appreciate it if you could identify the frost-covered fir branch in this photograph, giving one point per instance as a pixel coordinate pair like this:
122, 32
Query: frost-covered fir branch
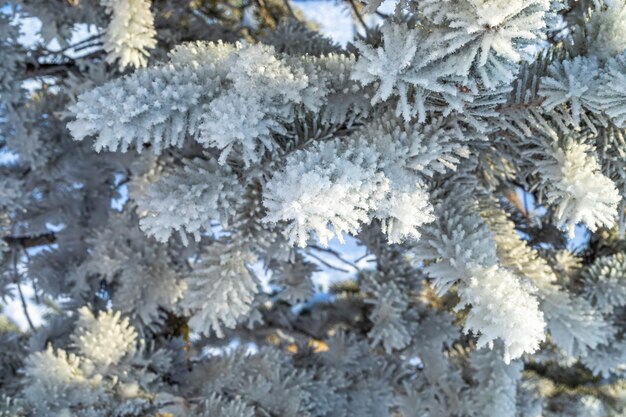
130, 33
222, 212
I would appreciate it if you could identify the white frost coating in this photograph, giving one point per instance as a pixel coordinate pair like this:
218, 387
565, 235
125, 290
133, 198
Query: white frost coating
256, 69
328, 184
390, 64
397, 67
266, 87
570, 82
103, 340
456, 242
228, 97
466, 41
610, 95
220, 289
461, 248
502, 308
403, 212
578, 189
603, 282
344, 184
226, 126
245, 133
484, 37
130, 33
57, 380
188, 199
606, 30
499, 23
390, 329
501, 381
160, 105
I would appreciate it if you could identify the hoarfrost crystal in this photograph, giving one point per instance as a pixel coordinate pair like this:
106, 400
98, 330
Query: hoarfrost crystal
503, 308
130, 33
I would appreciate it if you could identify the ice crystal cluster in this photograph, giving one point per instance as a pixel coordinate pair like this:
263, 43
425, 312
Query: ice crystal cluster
209, 209
130, 33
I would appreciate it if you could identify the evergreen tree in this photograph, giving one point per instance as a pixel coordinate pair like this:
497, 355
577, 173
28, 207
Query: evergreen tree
179, 183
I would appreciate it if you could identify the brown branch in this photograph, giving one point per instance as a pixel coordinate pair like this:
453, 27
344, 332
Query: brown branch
26, 242
39, 70
36, 69
335, 254
312, 255
513, 107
